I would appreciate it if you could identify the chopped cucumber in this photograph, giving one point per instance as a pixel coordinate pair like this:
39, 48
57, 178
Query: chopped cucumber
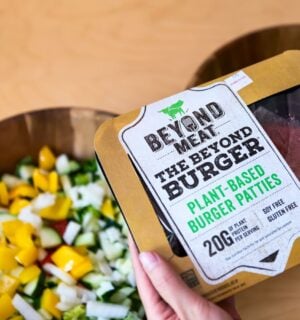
133, 316
121, 294
112, 251
113, 234
127, 302
66, 166
82, 179
49, 238
90, 165
4, 216
93, 279
87, 239
105, 286
35, 288
25, 172
30, 287
124, 265
73, 166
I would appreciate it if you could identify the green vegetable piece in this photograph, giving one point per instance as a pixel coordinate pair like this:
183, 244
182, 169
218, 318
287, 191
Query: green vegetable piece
132, 316
26, 161
77, 313
89, 165
73, 166
82, 179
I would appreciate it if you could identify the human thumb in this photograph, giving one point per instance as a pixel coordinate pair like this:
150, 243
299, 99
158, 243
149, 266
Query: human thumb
185, 302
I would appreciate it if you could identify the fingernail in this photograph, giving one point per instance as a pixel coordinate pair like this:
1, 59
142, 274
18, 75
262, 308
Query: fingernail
148, 259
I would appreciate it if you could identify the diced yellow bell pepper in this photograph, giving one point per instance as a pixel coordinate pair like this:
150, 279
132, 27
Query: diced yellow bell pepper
82, 250
107, 209
65, 256
23, 238
53, 182
3, 241
8, 285
27, 256
17, 205
7, 259
49, 301
58, 211
40, 180
46, 158
23, 191
6, 307
18, 233
29, 273
78, 271
67, 259
16, 318
4, 198
10, 227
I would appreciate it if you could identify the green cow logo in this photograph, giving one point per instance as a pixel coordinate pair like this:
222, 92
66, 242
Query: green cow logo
174, 109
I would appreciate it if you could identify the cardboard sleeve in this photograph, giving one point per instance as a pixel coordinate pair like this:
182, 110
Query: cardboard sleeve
280, 117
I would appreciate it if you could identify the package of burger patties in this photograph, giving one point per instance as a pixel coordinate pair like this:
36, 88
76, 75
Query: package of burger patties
208, 177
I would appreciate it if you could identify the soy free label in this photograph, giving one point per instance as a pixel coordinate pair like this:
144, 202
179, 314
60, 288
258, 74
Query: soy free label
227, 193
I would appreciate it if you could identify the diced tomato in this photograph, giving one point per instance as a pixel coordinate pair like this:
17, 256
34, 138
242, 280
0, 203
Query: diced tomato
60, 226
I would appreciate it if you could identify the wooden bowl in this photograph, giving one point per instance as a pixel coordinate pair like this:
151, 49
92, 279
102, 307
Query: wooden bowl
66, 130
247, 50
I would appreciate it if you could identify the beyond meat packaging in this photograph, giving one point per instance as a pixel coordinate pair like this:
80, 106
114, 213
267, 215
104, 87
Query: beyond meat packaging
209, 177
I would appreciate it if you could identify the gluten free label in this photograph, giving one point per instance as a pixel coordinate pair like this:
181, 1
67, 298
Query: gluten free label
226, 191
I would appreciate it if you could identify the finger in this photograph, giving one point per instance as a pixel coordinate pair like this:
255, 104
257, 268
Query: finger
171, 287
229, 306
152, 302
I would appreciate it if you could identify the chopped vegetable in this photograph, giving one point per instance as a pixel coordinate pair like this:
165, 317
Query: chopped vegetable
46, 158
17, 205
58, 211
53, 182
8, 285
3, 194
23, 191
60, 274
49, 238
107, 209
27, 256
49, 301
106, 310
6, 307
7, 259
71, 232
25, 309
40, 180
63, 248
77, 313
29, 273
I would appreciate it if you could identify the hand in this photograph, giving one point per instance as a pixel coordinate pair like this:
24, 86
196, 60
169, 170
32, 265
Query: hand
165, 295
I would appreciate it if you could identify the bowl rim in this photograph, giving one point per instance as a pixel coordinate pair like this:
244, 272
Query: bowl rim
57, 108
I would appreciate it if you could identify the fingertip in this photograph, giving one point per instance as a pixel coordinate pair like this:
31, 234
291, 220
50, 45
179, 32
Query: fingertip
149, 260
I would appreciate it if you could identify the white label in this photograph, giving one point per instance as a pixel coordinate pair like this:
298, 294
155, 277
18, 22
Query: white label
238, 81
225, 190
